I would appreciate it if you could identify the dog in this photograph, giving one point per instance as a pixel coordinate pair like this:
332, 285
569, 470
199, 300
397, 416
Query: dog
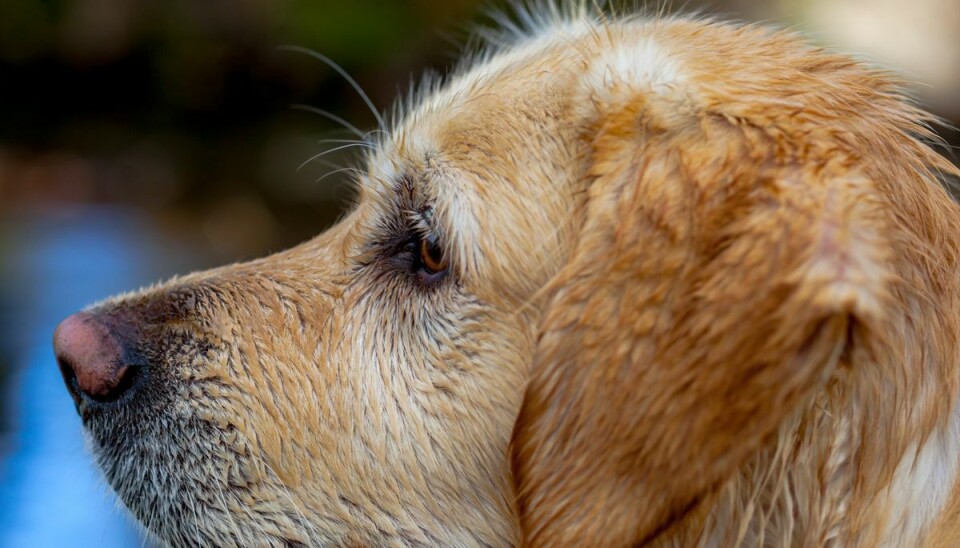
618, 280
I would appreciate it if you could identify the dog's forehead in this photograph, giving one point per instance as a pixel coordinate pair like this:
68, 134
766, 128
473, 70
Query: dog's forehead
461, 141
494, 151
498, 103
475, 116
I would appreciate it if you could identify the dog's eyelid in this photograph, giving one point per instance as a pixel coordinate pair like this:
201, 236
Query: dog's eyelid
424, 242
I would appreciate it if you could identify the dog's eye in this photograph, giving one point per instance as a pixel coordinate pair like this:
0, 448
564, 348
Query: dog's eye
432, 257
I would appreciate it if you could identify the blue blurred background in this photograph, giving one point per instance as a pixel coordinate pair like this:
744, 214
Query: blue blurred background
140, 139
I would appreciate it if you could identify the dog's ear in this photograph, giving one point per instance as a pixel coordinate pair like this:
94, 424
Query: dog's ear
713, 288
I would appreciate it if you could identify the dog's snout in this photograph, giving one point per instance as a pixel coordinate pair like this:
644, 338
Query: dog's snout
92, 359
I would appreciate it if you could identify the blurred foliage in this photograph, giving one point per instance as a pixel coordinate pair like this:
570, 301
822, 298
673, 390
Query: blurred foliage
181, 108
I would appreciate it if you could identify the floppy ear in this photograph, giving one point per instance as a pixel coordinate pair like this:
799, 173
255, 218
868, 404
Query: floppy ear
710, 294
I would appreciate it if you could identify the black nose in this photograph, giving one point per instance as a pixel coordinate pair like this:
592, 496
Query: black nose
92, 359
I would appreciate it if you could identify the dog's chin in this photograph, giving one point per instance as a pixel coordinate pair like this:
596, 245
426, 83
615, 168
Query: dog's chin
187, 480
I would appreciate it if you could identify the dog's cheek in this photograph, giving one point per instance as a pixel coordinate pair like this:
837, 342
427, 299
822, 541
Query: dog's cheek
426, 388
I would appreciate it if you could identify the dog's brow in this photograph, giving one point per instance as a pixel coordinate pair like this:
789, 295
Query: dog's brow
436, 204
405, 186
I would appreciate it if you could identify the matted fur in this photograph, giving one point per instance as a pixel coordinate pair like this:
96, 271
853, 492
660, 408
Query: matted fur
712, 268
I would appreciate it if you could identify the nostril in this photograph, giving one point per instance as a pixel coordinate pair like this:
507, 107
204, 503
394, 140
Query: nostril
125, 378
91, 359
69, 377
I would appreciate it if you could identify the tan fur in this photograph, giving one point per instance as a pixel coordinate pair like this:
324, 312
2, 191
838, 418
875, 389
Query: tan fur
711, 267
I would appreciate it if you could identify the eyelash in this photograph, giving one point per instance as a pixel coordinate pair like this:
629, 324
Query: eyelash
421, 252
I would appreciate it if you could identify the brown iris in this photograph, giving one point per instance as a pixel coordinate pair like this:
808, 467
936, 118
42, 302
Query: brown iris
432, 256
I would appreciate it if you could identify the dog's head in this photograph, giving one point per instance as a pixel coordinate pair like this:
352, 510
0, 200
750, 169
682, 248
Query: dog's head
649, 219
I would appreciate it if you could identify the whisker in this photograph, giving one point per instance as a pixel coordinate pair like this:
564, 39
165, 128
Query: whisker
331, 165
373, 131
334, 172
234, 528
325, 152
331, 116
355, 141
330, 63
305, 526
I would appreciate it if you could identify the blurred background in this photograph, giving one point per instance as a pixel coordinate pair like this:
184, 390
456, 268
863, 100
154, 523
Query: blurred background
142, 138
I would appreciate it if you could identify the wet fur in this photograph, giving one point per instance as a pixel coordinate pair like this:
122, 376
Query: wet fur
703, 291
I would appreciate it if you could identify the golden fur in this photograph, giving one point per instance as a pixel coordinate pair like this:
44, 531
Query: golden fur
713, 269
